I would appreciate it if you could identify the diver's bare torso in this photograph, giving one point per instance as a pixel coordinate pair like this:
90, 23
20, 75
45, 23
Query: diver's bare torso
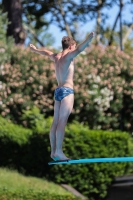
64, 69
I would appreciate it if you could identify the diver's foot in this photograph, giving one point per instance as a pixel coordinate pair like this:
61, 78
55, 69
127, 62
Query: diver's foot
60, 156
53, 156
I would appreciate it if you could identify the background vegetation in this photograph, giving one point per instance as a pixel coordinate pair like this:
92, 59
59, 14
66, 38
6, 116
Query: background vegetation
103, 94
103, 87
30, 150
29, 188
35, 17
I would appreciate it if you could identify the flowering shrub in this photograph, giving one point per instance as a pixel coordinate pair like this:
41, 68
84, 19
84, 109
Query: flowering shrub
103, 87
104, 80
26, 80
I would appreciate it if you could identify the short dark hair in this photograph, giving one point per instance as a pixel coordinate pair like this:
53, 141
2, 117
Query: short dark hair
67, 41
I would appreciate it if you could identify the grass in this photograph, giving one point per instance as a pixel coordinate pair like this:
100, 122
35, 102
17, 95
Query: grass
12, 180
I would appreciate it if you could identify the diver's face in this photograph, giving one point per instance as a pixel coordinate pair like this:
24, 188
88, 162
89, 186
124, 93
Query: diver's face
73, 47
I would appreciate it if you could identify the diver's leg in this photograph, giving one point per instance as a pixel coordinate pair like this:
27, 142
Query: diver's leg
52, 134
65, 110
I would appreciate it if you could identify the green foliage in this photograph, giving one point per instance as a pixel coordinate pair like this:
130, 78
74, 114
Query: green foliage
29, 187
9, 178
64, 12
39, 36
128, 44
6, 194
3, 26
35, 120
13, 132
12, 138
5, 45
92, 180
27, 148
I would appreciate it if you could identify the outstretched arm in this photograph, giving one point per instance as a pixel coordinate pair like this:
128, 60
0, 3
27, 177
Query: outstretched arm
81, 46
45, 52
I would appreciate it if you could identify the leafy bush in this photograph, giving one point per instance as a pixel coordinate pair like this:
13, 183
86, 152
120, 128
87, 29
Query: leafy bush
12, 138
23, 149
6, 194
13, 132
34, 120
103, 87
93, 180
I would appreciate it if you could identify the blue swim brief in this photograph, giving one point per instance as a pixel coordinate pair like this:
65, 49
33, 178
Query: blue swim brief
62, 92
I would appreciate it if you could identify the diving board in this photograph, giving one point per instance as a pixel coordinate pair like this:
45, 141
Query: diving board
93, 160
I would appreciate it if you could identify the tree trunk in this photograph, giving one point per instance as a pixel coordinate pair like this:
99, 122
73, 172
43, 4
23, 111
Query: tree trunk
112, 31
127, 34
64, 19
15, 29
121, 35
114, 26
98, 29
